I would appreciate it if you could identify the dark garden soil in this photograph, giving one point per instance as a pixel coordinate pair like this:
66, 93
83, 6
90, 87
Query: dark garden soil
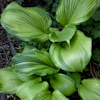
9, 47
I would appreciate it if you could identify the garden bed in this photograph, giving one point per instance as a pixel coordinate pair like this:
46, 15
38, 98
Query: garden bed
9, 46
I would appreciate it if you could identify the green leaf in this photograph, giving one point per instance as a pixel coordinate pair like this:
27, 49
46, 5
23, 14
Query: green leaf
19, 1
96, 16
55, 4
51, 29
73, 58
29, 89
9, 81
49, 2
63, 83
26, 48
87, 28
97, 25
96, 55
90, 21
76, 77
75, 12
57, 1
96, 33
46, 95
90, 89
25, 78
54, 7
28, 24
65, 35
34, 61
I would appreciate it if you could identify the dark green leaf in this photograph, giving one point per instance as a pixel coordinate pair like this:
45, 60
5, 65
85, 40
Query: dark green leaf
49, 2
97, 25
96, 16
96, 33
96, 55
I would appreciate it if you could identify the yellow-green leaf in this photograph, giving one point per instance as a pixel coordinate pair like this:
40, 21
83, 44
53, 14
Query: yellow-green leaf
47, 95
90, 89
9, 81
73, 58
29, 89
75, 11
63, 83
26, 23
34, 61
65, 35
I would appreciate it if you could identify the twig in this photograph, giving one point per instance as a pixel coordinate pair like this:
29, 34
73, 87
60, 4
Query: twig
96, 64
7, 42
4, 53
91, 70
95, 72
2, 96
1, 62
13, 51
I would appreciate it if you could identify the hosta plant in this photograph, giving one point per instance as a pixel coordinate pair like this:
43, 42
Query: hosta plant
38, 74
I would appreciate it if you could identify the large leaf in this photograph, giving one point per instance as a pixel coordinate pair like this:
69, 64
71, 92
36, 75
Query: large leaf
63, 83
47, 95
65, 35
26, 23
75, 11
72, 58
9, 81
29, 89
90, 89
33, 62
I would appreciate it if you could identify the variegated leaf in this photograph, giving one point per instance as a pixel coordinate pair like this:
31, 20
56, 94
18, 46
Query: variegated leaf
34, 61
9, 81
26, 23
75, 11
72, 58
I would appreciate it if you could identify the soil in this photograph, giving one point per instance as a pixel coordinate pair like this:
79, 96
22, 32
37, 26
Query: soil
8, 48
